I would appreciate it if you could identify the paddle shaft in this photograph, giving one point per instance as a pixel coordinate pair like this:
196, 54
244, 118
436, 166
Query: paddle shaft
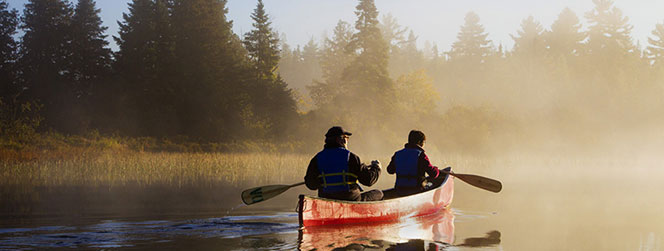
297, 184
258, 194
478, 181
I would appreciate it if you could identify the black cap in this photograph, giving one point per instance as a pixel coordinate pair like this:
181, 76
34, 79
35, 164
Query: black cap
336, 131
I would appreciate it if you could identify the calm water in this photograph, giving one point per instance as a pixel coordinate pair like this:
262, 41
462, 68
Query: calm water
545, 205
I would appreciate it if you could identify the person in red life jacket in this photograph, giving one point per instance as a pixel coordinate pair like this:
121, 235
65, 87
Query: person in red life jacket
335, 171
411, 164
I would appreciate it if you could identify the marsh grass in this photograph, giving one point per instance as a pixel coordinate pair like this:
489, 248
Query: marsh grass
111, 168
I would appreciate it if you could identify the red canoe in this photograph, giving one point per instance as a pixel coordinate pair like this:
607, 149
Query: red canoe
315, 211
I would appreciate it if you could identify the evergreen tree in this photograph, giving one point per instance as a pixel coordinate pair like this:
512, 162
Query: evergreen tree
210, 72
300, 67
655, 51
8, 52
262, 43
136, 59
310, 63
368, 42
90, 59
334, 58
565, 37
46, 60
310, 58
273, 101
392, 32
414, 58
472, 44
609, 31
611, 54
529, 41
367, 75
145, 62
405, 57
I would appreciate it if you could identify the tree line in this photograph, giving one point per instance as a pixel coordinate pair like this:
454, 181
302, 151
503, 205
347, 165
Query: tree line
574, 82
181, 71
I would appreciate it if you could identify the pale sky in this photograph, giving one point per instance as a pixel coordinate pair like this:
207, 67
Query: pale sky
436, 21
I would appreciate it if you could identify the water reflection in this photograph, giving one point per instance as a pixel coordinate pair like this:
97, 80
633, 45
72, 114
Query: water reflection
491, 239
412, 234
118, 234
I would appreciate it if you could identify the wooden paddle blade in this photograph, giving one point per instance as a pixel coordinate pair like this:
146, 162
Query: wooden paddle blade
258, 194
479, 181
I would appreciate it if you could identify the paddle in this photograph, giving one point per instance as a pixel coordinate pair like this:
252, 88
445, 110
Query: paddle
478, 181
258, 194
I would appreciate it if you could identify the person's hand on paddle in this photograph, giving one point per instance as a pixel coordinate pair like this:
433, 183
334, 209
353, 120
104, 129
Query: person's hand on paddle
375, 164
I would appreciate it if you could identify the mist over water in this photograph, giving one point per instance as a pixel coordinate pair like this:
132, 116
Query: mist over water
546, 204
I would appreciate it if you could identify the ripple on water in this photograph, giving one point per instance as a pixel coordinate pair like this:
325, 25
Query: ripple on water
117, 234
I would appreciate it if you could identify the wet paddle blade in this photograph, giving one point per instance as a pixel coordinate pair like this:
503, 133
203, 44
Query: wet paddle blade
258, 194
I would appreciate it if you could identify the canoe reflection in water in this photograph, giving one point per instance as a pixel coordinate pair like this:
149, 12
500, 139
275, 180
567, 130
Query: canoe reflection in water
430, 232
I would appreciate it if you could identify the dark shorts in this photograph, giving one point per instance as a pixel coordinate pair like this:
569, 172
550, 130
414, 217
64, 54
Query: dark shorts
355, 195
372, 195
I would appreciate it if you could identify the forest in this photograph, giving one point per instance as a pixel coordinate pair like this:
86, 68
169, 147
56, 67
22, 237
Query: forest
182, 80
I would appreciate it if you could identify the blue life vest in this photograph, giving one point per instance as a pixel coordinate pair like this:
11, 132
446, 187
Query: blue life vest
406, 167
333, 168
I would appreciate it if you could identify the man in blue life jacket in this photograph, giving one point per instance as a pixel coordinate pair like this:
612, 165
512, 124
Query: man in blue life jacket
335, 171
411, 164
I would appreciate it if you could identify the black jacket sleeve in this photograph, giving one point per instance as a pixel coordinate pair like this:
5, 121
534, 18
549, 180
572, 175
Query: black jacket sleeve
311, 178
366, 175
392, 168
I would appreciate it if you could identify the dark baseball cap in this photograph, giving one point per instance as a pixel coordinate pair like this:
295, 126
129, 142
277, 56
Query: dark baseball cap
336, 131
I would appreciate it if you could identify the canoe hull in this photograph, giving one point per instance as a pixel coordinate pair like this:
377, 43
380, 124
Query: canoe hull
315, 211
408, 234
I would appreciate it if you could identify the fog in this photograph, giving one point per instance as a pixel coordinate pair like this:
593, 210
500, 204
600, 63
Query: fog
581, 86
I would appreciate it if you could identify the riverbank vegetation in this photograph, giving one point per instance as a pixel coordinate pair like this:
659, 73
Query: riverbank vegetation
183, 81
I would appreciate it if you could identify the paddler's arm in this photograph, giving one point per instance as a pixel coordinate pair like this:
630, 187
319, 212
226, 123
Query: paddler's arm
424, 164
311, 178
391, 168
366, 175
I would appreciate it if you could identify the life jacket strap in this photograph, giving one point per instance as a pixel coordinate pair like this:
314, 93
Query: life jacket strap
344, 175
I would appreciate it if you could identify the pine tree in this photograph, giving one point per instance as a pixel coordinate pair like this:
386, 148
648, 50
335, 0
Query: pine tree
334, 58
655, 51
262, 43
609, 31
611, 54
210, 72
310, 69
529, 41
136, 59
392, 32
146, 41
91, 58
367, 75
9, 85
272, 99
368, 42
565, 37
146, 63
472, 44
46, 60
